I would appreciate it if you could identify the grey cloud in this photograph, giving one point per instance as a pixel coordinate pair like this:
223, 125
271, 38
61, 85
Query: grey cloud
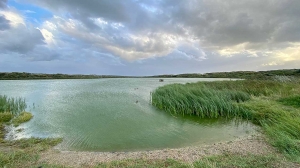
20, 39
287, 32
226, 23
41, 53
215, 23
117, 10
4, 23
3, 3
147, 25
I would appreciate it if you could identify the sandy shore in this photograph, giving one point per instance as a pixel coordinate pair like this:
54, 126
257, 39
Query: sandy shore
254, 144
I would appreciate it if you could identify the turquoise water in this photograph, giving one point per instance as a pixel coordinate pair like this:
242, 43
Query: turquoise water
112, 115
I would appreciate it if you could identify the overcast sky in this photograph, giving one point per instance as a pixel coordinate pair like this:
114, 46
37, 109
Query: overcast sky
148, 37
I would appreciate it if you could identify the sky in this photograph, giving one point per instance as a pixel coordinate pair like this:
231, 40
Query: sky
148, 37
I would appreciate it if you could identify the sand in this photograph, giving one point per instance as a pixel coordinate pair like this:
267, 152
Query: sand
254, 144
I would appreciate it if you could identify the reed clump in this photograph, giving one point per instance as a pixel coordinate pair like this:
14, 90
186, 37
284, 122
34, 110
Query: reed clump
12, 110
12, 105
199, 100
271, 104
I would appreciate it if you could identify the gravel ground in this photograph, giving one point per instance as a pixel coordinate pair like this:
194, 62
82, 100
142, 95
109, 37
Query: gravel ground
254, 144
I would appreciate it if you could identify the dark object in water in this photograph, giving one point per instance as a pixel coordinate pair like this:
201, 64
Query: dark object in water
161, 80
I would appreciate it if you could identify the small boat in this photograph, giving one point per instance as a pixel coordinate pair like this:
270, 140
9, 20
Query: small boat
161, 80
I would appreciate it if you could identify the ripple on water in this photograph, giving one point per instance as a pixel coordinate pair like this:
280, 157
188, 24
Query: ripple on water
112, 115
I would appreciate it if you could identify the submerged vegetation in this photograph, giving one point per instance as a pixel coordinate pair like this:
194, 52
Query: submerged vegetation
271, 104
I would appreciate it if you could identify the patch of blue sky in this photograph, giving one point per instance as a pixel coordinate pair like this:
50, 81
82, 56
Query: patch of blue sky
33, 13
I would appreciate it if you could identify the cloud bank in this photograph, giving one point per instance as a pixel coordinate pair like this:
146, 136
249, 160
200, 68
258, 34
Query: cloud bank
141, 37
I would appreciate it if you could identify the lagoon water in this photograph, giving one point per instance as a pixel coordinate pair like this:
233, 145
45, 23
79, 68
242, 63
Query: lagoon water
112, 115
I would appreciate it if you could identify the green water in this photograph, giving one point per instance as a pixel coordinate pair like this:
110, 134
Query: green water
112, 115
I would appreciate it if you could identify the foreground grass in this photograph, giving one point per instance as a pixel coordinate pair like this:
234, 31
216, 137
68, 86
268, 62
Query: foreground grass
24, 152
273, 105
225, 160
22, 159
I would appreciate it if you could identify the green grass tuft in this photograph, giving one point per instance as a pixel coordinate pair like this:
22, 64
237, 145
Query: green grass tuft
241, 161
5, 117
22, 118
291, 101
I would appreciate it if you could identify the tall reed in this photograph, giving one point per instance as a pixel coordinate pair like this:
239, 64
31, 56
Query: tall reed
12, 105
273, 105
200, 100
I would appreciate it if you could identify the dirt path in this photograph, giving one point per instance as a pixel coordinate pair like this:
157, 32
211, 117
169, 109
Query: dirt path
254, 144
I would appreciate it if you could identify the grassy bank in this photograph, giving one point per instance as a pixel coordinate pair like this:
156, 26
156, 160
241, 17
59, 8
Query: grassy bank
225, 160
271, 104
24, 152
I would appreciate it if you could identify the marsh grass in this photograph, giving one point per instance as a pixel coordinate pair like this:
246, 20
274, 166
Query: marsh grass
201, 101
291, 101
21, 118
24, 152
12, 105
5, 117
273, 105
280, 123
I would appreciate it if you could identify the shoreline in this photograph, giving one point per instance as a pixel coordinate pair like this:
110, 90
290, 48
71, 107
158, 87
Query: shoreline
253, 144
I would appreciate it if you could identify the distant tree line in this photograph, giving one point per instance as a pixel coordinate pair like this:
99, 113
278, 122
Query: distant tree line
24, 75
239, 74
236, 74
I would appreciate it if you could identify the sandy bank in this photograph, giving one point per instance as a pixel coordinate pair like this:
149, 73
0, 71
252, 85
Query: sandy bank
254, 144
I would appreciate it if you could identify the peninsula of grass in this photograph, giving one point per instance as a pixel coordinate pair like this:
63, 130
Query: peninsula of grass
271, 104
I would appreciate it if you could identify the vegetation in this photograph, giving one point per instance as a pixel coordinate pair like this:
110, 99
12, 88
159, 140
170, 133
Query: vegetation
236, 74
22, 118
5, 117
239, 74
24, 75
271, 104
24, 152
242, 161
12, 105
143, 163
225, 160
291, 101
